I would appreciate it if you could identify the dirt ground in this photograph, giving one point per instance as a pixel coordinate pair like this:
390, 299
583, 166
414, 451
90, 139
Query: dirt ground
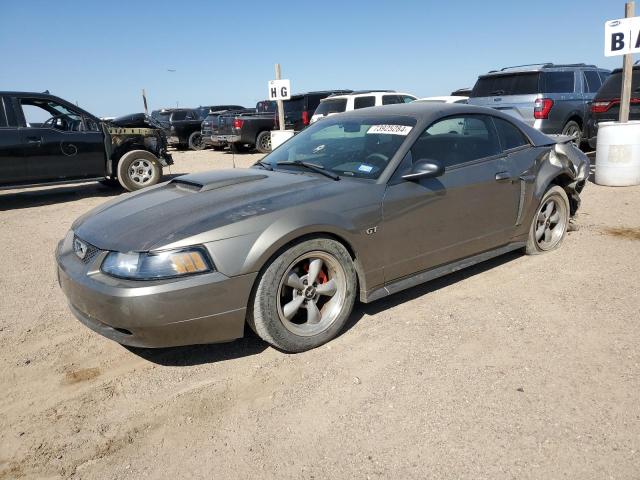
524, 367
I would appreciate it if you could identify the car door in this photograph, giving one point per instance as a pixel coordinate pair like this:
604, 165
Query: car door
60, 143
13, 168
465, 211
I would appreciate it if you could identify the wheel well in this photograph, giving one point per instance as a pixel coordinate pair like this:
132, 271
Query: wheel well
300, 239
564, 181
576, 119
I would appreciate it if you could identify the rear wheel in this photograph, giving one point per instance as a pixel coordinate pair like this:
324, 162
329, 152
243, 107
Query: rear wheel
305, 296
196, 142
138, 169
263, 142
572, 129
550, 222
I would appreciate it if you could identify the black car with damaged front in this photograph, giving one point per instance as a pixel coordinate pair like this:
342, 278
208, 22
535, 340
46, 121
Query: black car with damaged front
47, 140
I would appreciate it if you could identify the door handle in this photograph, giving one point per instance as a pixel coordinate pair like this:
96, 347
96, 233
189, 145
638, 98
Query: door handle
34, 140
502, 176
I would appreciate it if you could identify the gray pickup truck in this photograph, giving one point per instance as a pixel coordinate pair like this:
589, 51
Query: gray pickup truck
554, 99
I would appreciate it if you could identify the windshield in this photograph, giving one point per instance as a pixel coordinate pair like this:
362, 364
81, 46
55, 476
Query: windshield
355, 147
327, 107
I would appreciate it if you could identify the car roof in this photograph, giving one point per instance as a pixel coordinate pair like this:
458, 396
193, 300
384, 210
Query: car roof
366, 93
443, 98
539, 67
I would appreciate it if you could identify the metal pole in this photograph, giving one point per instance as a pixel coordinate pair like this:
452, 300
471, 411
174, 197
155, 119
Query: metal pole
280, 103
627, 72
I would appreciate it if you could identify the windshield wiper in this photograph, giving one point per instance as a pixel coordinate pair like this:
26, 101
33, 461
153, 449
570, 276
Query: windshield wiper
265, 165
311, 166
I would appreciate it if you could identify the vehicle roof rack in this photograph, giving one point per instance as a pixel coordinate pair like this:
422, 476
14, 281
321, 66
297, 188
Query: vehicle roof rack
545, 65
360, 92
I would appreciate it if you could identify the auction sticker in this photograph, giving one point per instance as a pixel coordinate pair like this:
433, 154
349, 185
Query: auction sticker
390, 129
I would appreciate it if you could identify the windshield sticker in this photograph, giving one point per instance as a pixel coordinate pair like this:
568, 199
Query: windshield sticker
365, 168
390, 129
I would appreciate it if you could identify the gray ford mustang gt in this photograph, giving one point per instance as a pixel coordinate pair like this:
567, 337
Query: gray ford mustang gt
359, 205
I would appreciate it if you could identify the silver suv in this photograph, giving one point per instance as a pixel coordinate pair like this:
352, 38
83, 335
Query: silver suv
551, 98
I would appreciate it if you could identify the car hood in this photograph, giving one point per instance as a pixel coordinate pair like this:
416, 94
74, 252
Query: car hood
228, 200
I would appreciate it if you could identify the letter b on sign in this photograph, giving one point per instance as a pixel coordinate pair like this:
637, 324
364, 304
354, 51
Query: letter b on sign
617, 41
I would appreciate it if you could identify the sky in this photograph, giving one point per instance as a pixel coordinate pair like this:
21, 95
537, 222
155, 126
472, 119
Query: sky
101, 54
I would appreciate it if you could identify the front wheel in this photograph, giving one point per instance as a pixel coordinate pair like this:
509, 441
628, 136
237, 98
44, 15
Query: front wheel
550, 222
305, 296
196, 142
138, 169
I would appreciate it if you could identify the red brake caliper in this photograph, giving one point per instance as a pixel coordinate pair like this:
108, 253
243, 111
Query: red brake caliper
322, 277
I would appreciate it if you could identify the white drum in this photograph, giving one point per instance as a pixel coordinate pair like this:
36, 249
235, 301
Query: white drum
618, 154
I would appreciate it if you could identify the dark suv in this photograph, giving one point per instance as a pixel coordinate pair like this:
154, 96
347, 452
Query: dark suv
551, 98
606, 104
47, 140
299, 110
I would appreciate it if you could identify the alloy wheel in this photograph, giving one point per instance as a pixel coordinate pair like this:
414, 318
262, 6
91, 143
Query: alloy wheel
265, 142
311, 293
141, 171
551, 223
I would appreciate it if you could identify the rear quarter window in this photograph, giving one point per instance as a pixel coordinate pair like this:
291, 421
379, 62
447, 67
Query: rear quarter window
592, 81
364, 102
510, 136
558, 82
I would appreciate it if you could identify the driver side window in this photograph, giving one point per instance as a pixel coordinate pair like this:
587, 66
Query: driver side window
46, 114
456, 140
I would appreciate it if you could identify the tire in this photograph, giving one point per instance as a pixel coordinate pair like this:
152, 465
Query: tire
280, 312
138, 169
196, 142
573, 128
555, 221
263, 142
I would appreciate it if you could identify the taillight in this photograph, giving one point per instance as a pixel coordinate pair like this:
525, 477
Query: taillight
601, 107
542, 108
237, 123
305, 117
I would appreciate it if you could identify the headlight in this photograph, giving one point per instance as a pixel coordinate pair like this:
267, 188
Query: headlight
156, 265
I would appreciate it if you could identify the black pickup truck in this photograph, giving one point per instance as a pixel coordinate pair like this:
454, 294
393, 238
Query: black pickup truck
185, 126
47, 140
253, 129
246, 129
209, 127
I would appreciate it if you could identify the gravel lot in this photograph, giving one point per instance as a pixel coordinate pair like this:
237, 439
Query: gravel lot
524, 367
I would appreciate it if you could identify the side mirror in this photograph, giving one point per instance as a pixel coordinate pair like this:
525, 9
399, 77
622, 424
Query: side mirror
424, 169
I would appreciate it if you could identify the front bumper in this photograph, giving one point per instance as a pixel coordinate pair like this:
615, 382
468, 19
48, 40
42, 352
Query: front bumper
208, 308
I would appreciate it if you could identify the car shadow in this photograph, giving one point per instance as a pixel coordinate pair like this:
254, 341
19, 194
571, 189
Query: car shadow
251, 344
201, 354
41, 196
368, 309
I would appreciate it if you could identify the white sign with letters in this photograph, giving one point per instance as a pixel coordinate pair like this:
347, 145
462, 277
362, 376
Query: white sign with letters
279, 90
622, 36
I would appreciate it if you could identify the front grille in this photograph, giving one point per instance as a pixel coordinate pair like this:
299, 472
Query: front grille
92, 251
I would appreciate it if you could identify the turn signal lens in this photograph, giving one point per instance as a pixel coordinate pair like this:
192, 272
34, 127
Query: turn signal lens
157, 265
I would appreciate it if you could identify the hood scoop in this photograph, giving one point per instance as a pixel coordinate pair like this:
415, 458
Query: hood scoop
204, 182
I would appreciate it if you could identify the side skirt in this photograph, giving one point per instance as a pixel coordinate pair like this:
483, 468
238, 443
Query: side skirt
53, 183
428, 275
